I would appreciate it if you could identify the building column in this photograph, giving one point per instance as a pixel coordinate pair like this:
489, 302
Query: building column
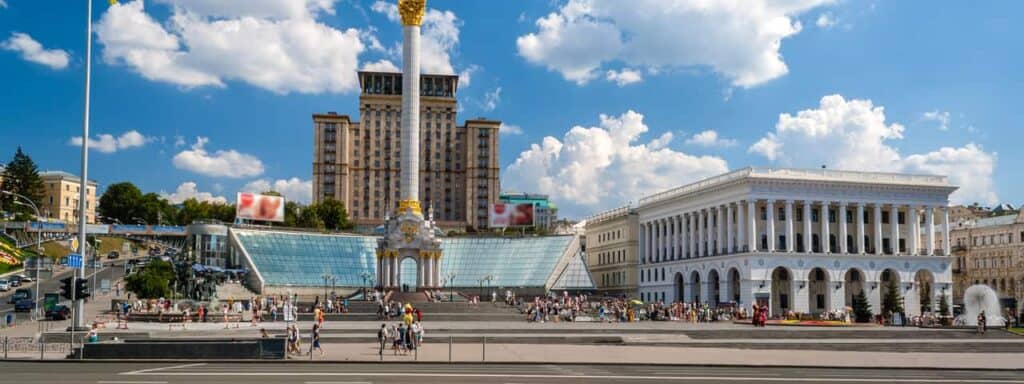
862, 245
894, 225
801, 302
946, 248
770, 224
808, 231
641, 241
650, 243
693, 234
682, 237
825, 230
915, 225
842, 228
436, 281
720, 233
790, 243
728, 229
701, 244
741, 232
659, 226
878, 229
380, 270
929, 219
752, 225
875, 295
422, 268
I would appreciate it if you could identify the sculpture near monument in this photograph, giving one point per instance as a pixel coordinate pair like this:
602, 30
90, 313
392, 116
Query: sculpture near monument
978, 298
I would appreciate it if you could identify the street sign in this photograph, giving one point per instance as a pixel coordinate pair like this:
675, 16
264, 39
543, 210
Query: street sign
74, 244
75, 261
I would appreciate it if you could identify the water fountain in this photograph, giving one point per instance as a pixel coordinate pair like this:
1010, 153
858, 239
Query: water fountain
978, 298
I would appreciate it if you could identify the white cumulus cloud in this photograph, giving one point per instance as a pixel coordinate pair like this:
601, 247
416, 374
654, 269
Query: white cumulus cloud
275, 45
710, 138
382, 65
510, 129
222, 163
595, 168
826, 20
440, 37
293, 189
738, 39
624, 77
32, 51
941, 117
107, 143
189, 190
854, 135
491, 99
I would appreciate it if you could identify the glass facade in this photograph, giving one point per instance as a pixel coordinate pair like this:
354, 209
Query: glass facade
298, 259
575, 276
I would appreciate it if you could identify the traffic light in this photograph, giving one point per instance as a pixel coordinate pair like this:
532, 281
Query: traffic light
66, 287
81, 291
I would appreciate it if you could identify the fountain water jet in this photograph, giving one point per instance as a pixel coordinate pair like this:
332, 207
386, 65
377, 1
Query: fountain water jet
978, 298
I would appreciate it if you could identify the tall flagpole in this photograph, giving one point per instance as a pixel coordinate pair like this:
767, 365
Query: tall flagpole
79, 320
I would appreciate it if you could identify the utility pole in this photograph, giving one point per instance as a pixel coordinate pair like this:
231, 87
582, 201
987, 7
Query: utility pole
79, 317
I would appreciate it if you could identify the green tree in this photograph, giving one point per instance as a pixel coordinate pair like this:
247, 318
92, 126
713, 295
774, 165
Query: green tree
861, 308
926, 297
333, 214
291, 214
155, 209
21, 176
892, 301
309, 218
153, 281
120, 203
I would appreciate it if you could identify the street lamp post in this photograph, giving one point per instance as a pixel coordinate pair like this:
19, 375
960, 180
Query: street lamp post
451, 286
79, 313
39, 244
366, 287
327, 277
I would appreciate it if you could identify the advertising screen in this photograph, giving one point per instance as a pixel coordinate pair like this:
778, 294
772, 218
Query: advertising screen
510, 215
253, 206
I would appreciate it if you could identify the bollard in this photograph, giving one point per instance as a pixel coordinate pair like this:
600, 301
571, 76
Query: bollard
449, 349
483, 356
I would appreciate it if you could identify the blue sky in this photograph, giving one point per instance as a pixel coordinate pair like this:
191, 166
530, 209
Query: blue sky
603, 100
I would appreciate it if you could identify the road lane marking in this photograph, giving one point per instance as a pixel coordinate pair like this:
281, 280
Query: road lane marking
581, 377
339, 382
130, 382
146, 371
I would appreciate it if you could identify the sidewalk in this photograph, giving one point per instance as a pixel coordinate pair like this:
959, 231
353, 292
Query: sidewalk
583, 354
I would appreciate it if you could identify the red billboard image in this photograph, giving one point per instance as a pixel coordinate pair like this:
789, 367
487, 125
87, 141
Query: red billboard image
510, 215
253, 206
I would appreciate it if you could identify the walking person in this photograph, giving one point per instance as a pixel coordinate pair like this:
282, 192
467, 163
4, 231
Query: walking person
382, 337
316, 339
982, 326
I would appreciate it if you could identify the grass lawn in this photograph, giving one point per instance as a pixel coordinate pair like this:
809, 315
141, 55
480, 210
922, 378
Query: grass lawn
108, 244
55, 250
1018, 331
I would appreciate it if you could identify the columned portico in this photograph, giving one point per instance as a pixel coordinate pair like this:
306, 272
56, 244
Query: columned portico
929, 219
843, 245
878, 228
730, 247
790, 238
752, 226
808, 233
862, 242
825, 235
894, 224
770, 225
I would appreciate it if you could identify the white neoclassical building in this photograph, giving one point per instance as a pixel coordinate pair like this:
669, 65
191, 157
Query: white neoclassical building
801, 240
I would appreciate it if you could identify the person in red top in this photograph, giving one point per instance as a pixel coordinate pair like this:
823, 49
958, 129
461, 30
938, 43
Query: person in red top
419, 315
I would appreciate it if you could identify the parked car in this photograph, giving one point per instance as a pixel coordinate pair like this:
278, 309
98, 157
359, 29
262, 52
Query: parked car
24, 278
113, 255
20, 294
58, 312
13, 281
4, 287
24, 305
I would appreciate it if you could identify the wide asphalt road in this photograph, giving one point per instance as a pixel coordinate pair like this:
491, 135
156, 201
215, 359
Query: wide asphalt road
342, 373
112, 270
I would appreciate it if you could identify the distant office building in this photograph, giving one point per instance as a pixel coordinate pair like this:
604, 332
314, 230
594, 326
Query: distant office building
61, 191
612, 244
990, 251
358, 162
545, 213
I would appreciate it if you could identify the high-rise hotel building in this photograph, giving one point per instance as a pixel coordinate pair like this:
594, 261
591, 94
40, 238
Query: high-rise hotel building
358, 162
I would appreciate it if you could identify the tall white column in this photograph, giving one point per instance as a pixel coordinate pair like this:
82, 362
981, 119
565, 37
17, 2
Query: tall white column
894, 225
770, 224
752, 225
878, 229
808, 231
741, 225
422, 269
658, 240
929, 219
681, 239
842, 228
720, 227
914, 225
385, 280
702, 233
826, 233
862, 245
728, 228
790, 237
410, 136
641, 242
946, 248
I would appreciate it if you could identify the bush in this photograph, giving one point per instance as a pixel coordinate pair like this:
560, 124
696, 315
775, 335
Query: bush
861, 308
152, 281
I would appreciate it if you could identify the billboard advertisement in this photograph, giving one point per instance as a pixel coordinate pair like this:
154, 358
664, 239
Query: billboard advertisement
254, 206
510, 215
